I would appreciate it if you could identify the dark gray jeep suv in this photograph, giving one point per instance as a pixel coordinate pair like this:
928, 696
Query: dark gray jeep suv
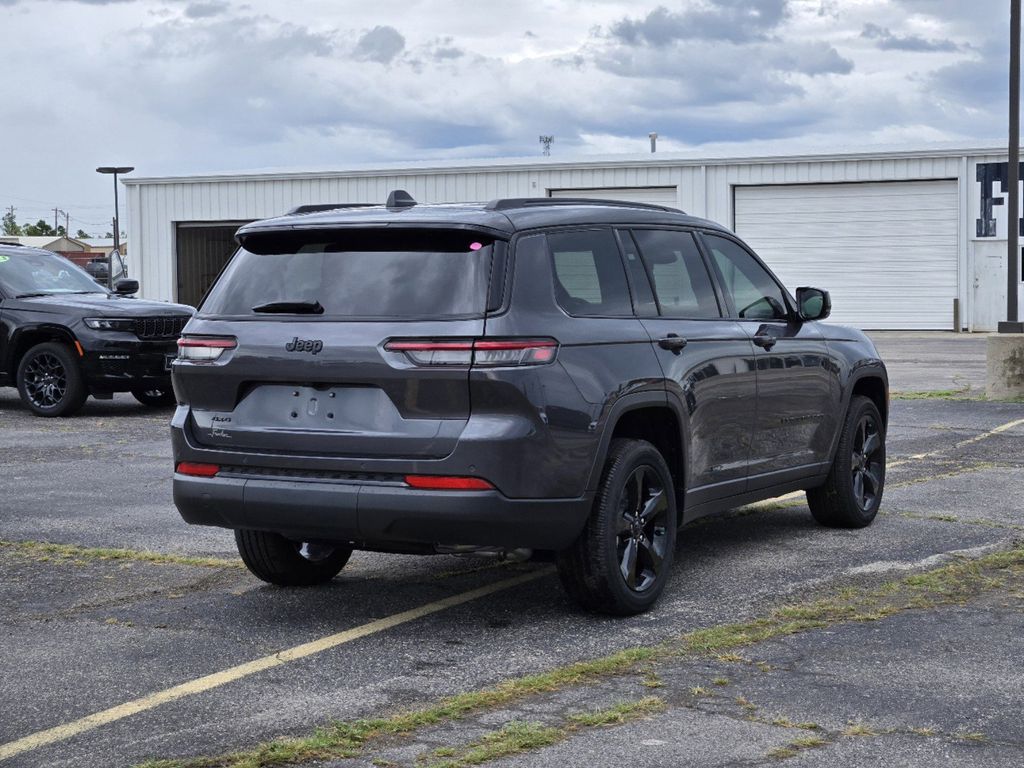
570, 376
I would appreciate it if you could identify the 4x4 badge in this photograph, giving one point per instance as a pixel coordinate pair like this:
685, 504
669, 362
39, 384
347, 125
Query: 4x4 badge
304, 345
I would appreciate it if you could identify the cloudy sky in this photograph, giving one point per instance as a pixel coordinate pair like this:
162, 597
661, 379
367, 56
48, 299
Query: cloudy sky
185, 86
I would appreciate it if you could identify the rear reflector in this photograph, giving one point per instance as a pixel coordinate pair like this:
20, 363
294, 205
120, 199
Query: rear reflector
204, 349
194, 469
443, 483
492, 353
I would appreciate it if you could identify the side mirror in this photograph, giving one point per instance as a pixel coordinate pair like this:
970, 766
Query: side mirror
126, 287
814, 303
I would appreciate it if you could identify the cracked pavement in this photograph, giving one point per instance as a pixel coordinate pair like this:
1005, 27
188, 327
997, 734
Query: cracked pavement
79, 634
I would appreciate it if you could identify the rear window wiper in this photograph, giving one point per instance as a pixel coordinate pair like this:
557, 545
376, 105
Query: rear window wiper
291, 307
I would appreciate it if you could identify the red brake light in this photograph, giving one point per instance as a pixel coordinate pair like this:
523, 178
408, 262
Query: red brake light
195, 469
445, 483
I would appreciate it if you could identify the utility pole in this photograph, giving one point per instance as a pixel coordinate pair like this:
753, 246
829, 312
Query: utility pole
55, 212
1013, 324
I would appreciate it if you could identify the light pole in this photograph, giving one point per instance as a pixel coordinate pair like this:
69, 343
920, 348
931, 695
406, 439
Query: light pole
115, 170
1013, 324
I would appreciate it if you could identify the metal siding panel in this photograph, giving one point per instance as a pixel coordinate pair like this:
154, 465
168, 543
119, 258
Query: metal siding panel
888, 251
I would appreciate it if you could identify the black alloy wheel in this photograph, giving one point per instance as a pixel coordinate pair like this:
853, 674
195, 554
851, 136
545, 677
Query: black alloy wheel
866, 466
622, 560
643, 529
50, 381
852, 493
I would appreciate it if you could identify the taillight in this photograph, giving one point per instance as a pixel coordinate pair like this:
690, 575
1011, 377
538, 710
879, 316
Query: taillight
484, 353
204, 349
434, 352
447, 483
195, 469
499, 352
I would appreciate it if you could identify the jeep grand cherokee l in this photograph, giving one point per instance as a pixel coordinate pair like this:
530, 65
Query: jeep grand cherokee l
572, 376
63, 337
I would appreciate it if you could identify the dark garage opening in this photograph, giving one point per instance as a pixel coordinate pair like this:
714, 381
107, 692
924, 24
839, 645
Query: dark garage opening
202, 251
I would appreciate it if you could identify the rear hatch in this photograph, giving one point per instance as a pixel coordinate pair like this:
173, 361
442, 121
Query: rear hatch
319, 336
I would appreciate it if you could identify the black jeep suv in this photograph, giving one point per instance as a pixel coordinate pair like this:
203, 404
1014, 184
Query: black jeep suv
571, 376
63, 337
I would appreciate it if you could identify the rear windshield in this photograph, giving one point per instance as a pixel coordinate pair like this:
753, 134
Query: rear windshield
357, 274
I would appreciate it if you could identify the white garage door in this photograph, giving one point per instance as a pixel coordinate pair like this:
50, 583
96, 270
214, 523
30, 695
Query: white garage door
886, 252
654, 195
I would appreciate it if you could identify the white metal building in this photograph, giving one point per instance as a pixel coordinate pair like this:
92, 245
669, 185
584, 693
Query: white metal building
895, 235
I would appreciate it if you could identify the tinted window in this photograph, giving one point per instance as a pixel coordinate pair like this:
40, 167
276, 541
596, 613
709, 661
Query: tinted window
681, 281
359, 274
589, 277
754, 293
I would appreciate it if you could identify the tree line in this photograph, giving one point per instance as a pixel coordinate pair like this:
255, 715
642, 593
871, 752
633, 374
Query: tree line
41, 228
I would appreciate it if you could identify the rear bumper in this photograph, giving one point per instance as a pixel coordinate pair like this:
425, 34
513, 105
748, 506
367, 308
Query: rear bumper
380, 515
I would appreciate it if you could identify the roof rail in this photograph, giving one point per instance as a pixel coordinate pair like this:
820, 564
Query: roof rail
538, 202
318, 207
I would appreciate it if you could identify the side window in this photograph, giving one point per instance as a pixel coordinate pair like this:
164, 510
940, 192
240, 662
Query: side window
589, 278
681, 281
754, 293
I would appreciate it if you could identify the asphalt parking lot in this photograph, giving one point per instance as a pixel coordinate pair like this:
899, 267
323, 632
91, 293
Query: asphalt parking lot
777, 641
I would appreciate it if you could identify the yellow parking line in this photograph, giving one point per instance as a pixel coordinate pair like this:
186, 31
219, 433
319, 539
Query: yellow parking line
969, 441
217, 679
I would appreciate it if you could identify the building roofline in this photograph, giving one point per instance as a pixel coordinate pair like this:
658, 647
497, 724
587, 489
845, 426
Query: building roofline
677, 159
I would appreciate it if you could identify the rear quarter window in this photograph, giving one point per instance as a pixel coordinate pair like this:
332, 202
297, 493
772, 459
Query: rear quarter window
590, 280
370, 274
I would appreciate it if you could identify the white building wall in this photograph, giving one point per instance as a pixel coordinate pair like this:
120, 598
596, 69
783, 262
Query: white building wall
703, 189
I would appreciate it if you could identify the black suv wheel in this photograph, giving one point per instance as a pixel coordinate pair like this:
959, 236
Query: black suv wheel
277, 560
853, 492
50, 380
622, 560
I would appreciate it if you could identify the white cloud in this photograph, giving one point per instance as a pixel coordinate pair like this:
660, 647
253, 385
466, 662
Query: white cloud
180, 86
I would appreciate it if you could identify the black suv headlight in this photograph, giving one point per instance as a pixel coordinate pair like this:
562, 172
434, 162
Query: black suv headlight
110, 324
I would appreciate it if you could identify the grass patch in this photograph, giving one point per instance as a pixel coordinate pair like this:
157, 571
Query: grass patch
938, 394
46, 552
859, 729
953, 583
620, 713
512, 739
517, 737
796, 746
785, 722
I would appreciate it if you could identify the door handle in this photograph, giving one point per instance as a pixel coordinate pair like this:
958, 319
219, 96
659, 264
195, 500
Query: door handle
765, 341
673, 342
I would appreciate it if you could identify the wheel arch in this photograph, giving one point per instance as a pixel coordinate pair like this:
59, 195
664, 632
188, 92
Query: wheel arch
651, 416
26, 338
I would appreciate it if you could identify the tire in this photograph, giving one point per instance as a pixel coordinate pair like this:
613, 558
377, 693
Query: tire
50, 380
596, 569
277, 560
852, 494
155, 397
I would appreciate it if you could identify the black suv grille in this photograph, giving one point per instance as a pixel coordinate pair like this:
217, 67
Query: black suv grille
159, 327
